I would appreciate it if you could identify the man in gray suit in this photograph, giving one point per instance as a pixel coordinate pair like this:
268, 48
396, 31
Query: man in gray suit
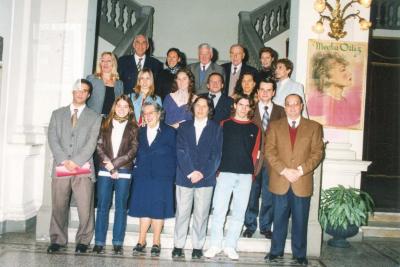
287, 86
202, 69
72, 136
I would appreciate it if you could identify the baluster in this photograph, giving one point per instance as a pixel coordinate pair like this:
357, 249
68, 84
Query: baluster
276, 22
121, 16
128, 23
286, 16
268, 25
113, 13
260, 28
397, 17
104, 10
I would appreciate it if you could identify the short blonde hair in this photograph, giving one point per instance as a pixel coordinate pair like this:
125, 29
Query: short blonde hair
114, 72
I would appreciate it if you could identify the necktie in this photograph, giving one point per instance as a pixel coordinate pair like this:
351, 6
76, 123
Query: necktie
294, 124
74, 118
265, 118
234, 70
139, 65
212, 96
202, 74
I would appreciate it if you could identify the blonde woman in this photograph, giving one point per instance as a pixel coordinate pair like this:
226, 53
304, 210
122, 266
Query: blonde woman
144, 92
106, 84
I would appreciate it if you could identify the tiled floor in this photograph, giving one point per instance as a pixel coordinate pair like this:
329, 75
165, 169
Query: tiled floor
21, 249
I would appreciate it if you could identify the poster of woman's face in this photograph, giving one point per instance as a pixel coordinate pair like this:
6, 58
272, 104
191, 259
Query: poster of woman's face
335, 88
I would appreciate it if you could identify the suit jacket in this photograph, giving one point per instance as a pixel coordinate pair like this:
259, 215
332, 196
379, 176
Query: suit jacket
277, 113
195, 69
127, 148
307, 153
227, 68
289, 87
223, 109
77, 144
96, 99
203, 157
128, 73
158, 160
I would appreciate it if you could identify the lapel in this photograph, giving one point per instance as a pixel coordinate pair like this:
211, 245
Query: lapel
192, 135
228, 75
125, 139
284, 130
67, 121
257, 117
82, 118
203, 140
300, 132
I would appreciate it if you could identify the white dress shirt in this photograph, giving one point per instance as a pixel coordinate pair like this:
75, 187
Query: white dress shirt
199, 126
290, 121
80, 109
262, 109
142, 62
152, 133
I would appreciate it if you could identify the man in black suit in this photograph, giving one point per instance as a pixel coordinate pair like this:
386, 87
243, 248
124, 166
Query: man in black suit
222, 103
235, 68
130, 65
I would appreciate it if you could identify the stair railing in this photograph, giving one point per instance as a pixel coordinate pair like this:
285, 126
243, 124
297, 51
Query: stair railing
261, 25
385, 14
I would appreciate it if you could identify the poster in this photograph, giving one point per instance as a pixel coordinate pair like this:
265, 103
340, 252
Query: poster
336, 82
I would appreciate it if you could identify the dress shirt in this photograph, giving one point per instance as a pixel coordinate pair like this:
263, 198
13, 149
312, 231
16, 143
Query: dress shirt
142, 62
216, 98
152, 133
296, 120
116, 135
206, 66
199, 126
261, 108
238, 67
80, 109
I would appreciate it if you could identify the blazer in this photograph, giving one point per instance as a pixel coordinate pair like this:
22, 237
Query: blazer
203, 157
128, 73
289, 87
77, 144
158, 160
227, 68
195, 69
127, 149
307, 152
96, 99
223, 109
277, 113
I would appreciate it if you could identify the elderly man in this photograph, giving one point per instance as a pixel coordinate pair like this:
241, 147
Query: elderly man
130, 65
293, 149
72, 135
235, 68
202, 69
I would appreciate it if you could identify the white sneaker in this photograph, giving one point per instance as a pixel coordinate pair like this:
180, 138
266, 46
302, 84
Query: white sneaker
231, 253
211, 252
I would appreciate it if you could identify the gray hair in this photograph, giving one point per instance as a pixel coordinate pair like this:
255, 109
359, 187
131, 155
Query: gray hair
205, 45
157, 108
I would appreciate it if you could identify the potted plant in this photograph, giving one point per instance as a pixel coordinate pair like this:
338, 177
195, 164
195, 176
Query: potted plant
342, 211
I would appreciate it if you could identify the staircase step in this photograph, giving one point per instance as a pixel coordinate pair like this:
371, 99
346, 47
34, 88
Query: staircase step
385, 217
383, 224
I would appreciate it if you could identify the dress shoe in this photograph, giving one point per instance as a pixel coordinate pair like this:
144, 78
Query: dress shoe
197, 254
81, 248
177, 253
53, 248
272, 258
301, 261
118, 250
248, 233
98, 249
155, 250
267, 234
212, 251
139, 249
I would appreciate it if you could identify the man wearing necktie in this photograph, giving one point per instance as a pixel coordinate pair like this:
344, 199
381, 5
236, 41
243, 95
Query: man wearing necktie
72, 136
222, 104
129, 66
293, 149
202, 69
265, 112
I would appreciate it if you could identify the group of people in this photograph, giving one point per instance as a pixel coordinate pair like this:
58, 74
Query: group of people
177, 141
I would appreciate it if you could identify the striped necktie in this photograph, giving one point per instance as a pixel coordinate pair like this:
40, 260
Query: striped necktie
139, 64
265, 118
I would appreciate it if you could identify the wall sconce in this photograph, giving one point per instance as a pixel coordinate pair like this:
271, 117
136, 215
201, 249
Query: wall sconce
337, 17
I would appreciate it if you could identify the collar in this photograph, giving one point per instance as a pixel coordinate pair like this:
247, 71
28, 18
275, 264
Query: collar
137, 58
261, 106
217, 95
200, 123
283, 82
238, 67
154, 129
80, 109
206, 66
296, 120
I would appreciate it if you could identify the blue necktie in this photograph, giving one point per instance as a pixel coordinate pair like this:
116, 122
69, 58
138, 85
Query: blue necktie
265, 118
202, 74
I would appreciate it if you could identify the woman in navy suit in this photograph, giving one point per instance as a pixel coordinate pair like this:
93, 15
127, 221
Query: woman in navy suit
152, 197
199, 146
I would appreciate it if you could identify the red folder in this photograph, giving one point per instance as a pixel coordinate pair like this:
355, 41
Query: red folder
62, 171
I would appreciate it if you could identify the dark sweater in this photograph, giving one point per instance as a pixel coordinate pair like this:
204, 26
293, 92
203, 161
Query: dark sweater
241, 144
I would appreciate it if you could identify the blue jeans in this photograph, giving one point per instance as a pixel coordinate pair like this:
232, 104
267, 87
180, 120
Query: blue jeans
228, 183
105, 187
259, 187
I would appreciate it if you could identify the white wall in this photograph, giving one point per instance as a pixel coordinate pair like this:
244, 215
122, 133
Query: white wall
279, 43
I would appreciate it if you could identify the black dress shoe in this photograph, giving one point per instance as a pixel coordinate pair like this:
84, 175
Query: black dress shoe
53, 248
301, 261
155, 250
248, 233
272, 257
98, 249
267, 234
197, 254
81, 248
139, 249
118, 250
177, 253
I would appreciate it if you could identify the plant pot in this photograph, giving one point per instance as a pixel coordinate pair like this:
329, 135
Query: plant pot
340, 234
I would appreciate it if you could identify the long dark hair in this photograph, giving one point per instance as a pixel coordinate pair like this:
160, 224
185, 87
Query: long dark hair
107, 123
191, 84
239, 88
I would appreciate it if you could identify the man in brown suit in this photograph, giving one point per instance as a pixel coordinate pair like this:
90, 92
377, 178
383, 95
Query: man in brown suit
293, 149
265, 112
